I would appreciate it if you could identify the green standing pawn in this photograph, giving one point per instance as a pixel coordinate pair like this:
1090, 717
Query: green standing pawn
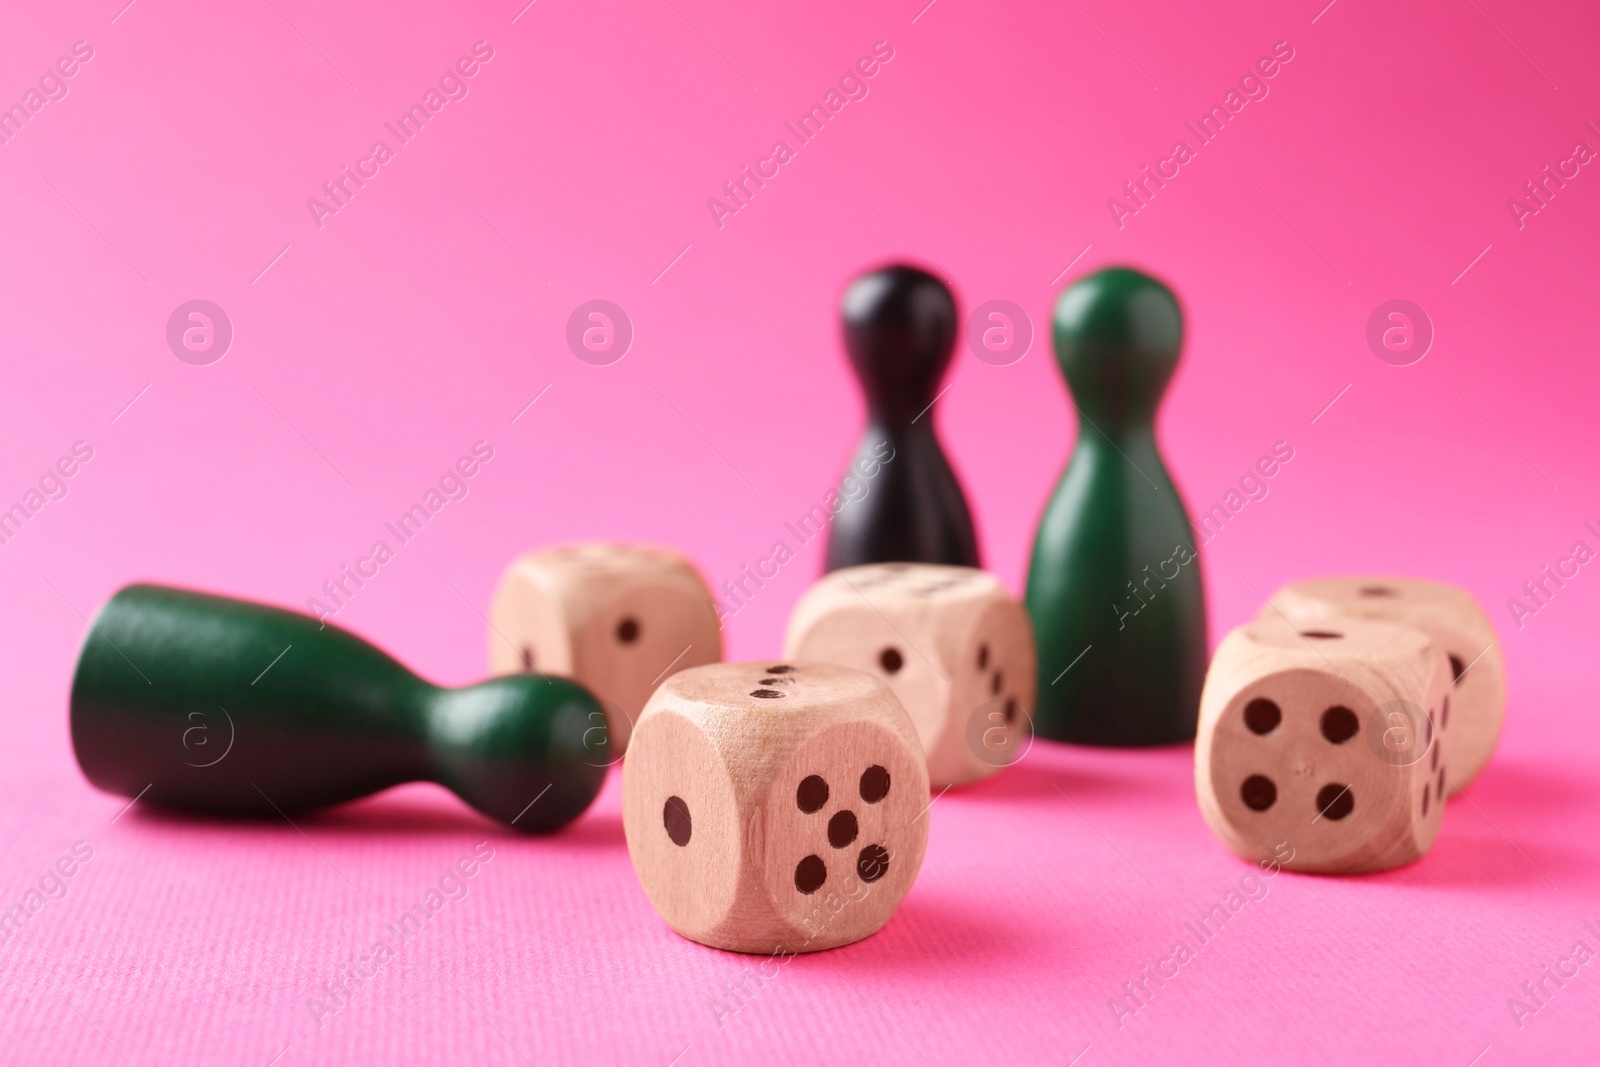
223, 706
1114, 588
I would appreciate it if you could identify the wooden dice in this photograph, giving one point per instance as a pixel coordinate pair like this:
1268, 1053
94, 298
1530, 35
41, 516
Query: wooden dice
775, 806
1320, 746
617, 618
955, 647
1456, 623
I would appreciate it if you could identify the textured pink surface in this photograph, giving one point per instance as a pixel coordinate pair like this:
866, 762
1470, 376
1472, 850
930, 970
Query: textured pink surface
430, 310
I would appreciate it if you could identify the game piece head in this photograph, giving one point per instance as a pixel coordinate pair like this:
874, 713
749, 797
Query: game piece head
775, 805
1117, 337
529, 750
900, 329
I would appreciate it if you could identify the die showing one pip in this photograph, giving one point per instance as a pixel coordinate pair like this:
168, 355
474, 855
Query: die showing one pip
775, 806
617, 618
955, 647
1319, 747
1457, 624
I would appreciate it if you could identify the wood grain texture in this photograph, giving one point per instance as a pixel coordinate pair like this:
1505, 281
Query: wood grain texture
1319, 748
615, 617
952, 643
1457, 624
789, 821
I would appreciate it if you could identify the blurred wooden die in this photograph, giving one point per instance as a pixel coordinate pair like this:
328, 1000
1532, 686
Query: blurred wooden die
1476, 710
616, 618
952, 643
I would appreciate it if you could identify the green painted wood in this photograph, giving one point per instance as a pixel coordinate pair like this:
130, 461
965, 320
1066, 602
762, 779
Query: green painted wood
236, 708
1114, 587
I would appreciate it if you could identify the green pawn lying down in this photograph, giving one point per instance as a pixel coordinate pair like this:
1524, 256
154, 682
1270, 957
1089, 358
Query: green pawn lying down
224, 706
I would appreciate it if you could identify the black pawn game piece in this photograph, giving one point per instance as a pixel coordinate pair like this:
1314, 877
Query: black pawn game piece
900, 328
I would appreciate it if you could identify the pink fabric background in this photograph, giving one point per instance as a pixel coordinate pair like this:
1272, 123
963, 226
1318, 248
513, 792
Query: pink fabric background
428, 313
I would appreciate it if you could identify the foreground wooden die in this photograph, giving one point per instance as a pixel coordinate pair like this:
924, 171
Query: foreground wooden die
952, 643
617, 618
1320, 747
1458, 625
775, 806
